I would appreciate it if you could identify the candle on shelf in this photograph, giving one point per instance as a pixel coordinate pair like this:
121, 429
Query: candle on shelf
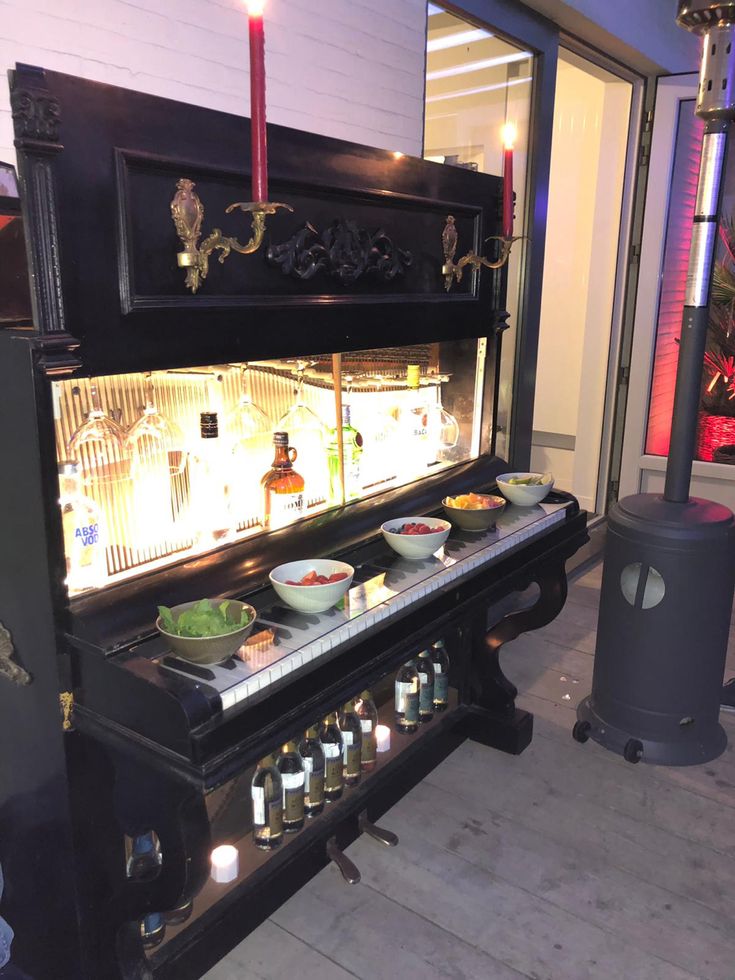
259, 151
509, 138
382, 738
225, 863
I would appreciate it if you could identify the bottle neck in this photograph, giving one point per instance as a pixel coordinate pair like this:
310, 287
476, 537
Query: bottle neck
281, 458
288, 747
312, 732
267, 762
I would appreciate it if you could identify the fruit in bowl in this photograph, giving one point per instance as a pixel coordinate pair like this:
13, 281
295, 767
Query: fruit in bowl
407, 540
474, 511
207, 631
313, 585
525, 489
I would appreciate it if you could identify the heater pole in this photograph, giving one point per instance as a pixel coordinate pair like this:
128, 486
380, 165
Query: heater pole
715, 23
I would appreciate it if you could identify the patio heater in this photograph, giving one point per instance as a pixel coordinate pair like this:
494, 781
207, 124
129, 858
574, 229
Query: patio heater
669, 570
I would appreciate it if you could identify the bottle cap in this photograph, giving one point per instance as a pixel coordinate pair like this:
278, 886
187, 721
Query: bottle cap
438, 644
68, 467
208, 425
280, 438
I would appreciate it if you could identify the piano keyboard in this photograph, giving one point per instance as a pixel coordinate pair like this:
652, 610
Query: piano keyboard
286, 640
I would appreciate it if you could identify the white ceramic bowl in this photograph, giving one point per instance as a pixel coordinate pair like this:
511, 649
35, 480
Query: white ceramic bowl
522, 494
311, 598
416, 545
210, 649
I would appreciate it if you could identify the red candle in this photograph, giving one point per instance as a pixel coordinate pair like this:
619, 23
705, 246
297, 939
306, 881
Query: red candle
259, 148
509, 138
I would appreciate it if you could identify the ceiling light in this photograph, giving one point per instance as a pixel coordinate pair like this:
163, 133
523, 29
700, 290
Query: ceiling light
476, 91
456, 39
504, 59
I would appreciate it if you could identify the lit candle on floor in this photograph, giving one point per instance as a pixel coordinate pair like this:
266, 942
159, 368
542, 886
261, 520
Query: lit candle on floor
259, 152
382, 738
509, 138
225, 863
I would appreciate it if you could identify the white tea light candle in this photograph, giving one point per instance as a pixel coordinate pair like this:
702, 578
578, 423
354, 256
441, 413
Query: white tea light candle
382, 737
225, 863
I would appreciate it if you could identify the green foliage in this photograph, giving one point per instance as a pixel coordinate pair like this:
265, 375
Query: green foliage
203, 619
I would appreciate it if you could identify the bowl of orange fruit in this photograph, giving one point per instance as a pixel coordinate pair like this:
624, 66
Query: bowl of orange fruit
474, 511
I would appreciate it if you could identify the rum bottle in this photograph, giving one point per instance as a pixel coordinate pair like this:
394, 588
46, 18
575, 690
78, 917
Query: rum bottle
291, 767
407, 698
367, 714
331, 738
351, 455
267, 796
312, 755
425, 668
351, 729
441, 675
283, 487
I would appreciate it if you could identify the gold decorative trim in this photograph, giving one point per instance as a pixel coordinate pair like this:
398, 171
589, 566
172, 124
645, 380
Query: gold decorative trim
66, 701
452, 270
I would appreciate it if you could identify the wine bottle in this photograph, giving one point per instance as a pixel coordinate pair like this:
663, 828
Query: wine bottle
368, 715
312, 754
351, 729
407, 698
291, 767
425, 668
441, 675
267, 795
331, 738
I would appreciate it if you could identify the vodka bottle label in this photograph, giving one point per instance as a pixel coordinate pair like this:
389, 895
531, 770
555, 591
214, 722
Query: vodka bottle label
258, 806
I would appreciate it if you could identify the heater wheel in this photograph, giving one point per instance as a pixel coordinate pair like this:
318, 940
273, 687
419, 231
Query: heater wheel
581, 731
633, 750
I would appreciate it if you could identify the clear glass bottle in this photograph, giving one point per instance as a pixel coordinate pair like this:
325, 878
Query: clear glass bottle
349, 725
291, 767
210, 485
267, 797
351, 455
152, 930
417, 448
312, 754
440, 658
367, 714
331, 738
407, 698
84, 534
425, 668
144, 860
283, 487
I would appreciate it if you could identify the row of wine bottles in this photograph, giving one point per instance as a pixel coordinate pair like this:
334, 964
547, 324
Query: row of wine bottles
295, 783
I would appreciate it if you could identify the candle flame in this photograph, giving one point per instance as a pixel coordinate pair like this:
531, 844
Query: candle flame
509, 134
398, 155
255, 7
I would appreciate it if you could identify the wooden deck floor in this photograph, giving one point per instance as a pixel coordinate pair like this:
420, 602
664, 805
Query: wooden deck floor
563, 863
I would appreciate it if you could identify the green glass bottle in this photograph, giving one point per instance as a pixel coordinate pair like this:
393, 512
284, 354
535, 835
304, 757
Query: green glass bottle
291, 767
267, 796
352, 453
351, 729
331, 738
367, 713
312, 754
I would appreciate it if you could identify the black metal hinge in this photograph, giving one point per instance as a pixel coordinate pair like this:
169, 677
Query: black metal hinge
645, 151
623, 374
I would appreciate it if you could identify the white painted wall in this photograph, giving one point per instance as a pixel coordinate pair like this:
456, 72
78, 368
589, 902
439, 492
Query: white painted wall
353, 69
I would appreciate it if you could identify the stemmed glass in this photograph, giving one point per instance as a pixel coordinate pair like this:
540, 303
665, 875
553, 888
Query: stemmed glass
309, 435
251, 432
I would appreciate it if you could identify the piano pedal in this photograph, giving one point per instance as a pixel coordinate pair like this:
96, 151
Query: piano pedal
380, 834
347, 868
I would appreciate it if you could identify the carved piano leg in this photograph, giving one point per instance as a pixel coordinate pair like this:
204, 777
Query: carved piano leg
494, 719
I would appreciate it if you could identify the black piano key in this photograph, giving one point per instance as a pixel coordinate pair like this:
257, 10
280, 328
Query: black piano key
188, 668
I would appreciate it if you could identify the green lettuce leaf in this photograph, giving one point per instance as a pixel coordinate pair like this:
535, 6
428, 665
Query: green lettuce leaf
203, 620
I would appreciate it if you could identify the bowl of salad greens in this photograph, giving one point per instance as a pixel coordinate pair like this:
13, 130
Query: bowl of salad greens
207, 631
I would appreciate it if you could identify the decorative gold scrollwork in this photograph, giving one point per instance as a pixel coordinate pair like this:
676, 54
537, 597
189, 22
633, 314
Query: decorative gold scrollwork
66, 703
187, 212
452, 270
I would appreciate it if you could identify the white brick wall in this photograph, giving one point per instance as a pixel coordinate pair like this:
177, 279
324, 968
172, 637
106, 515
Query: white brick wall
347, 68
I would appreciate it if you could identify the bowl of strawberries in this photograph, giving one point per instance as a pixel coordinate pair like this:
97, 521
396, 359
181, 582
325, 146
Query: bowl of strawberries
416, 537
313, 585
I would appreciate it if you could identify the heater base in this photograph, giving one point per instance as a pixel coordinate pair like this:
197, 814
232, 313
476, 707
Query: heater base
692, 751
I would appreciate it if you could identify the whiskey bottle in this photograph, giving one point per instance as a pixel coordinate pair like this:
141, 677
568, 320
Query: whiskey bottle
283, 487
407, 698
367, 714
425, 668
331, 738
291, 767
312, 755
351, 729
441, 675
351, 455
267, 795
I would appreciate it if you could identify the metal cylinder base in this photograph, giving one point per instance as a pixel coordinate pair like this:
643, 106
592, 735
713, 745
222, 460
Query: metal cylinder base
662, 634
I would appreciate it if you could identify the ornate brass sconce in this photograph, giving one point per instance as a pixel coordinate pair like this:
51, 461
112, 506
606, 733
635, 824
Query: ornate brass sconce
455, 270
187, 212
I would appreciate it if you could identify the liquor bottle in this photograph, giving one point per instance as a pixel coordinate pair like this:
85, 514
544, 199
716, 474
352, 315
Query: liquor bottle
291, 767
174, 917
144, 863
425, 668
368, 715
351, 729
416, 443
407, 698
351, 456
283, 487
331, 738
210, 490
312, 754
152, 930
267, 795
441, 675
84, 538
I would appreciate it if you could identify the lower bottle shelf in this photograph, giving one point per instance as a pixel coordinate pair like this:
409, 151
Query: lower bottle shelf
256, 866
